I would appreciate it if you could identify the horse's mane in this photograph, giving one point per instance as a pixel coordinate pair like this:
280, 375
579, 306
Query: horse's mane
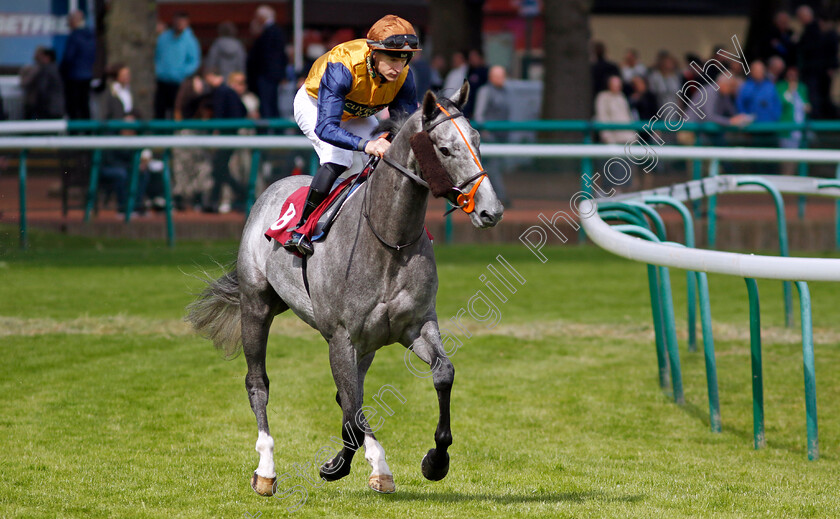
398, 119
392, 124
431, 169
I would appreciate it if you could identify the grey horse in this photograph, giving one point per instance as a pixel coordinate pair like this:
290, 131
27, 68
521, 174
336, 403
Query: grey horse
371, 282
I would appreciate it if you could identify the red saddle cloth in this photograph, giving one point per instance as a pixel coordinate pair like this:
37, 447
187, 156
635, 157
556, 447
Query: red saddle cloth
314, 228
292, 210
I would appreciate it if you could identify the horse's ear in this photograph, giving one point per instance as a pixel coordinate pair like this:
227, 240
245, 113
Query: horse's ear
463, 95
429, 105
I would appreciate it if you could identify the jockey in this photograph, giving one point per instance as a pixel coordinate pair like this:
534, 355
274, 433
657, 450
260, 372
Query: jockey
335, 107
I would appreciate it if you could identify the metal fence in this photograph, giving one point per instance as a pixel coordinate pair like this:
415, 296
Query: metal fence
17, 135
638, 240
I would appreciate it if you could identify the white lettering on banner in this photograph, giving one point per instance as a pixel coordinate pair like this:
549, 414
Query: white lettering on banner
284, 220
32, 24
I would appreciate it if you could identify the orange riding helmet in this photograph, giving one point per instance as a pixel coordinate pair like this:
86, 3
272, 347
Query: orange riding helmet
393, 36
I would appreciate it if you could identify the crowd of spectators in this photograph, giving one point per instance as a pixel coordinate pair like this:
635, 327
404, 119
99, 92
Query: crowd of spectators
790, 81
187, 86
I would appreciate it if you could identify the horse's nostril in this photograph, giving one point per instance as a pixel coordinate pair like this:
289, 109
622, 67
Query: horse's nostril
486, 216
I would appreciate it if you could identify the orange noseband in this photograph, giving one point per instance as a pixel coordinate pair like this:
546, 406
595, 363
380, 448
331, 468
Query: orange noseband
466, 201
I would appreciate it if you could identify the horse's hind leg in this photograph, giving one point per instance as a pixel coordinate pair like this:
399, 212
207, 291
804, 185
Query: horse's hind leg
258, 310
381, 479
429, 348
345, 369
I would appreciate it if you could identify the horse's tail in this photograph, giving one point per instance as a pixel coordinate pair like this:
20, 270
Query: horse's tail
215, 313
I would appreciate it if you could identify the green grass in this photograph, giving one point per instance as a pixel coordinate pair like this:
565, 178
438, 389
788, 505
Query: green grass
111, 408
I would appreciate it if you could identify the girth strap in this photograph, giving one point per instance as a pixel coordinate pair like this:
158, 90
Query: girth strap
305, 276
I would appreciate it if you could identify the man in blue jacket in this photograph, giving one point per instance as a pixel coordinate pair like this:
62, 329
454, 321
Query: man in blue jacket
758, 96
77, 66
177, 56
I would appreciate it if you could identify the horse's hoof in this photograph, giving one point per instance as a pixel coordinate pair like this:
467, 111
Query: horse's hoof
262, 486
331, 473
383, 484
434, 471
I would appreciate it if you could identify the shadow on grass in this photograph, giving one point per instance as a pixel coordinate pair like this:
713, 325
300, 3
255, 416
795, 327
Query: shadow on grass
551, 497
701, 414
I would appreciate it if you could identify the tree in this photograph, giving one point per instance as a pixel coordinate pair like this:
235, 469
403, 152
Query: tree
567, 81
455, 25
130, 38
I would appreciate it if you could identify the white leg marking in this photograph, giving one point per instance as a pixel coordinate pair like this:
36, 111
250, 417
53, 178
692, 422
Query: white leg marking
375, 455
265, 446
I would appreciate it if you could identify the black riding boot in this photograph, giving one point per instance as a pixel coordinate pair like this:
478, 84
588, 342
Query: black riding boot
299, 242
318, 191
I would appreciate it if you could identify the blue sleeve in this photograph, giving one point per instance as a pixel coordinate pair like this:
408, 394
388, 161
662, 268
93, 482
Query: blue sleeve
776, 105
335, 85
743, 100
193, 56
69, 55
159, 53
406, 100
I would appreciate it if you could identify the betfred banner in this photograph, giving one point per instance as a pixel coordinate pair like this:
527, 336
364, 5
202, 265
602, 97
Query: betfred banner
14, 24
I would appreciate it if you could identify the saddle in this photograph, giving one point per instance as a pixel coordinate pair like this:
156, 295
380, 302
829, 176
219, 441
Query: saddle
321, 219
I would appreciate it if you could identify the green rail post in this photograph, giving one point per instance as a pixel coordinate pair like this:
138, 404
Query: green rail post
658, 325
624, 216
697, 174
650, 212
167, 196
709, 352
784, 251
808, 369
653, 288
132, 185
256, 156
755, 353
671, 334
711, 219
640, 210
93, 185
667, 314
24, 239
708, 348
688, 227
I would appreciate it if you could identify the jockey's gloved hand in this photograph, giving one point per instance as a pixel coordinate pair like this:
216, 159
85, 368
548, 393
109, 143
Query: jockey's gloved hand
377, 147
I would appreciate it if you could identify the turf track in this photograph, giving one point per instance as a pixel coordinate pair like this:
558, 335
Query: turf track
110, 407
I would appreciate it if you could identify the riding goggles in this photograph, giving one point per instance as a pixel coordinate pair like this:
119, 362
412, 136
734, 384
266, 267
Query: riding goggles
397, 42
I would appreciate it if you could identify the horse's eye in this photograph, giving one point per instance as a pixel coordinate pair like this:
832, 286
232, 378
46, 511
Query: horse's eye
445, 151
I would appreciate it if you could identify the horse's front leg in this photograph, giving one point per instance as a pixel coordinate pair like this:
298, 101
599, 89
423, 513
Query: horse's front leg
429, 348
381, 478
344, 364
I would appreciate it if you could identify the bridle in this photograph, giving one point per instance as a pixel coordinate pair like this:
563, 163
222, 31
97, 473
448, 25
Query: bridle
463, 201
457, 197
